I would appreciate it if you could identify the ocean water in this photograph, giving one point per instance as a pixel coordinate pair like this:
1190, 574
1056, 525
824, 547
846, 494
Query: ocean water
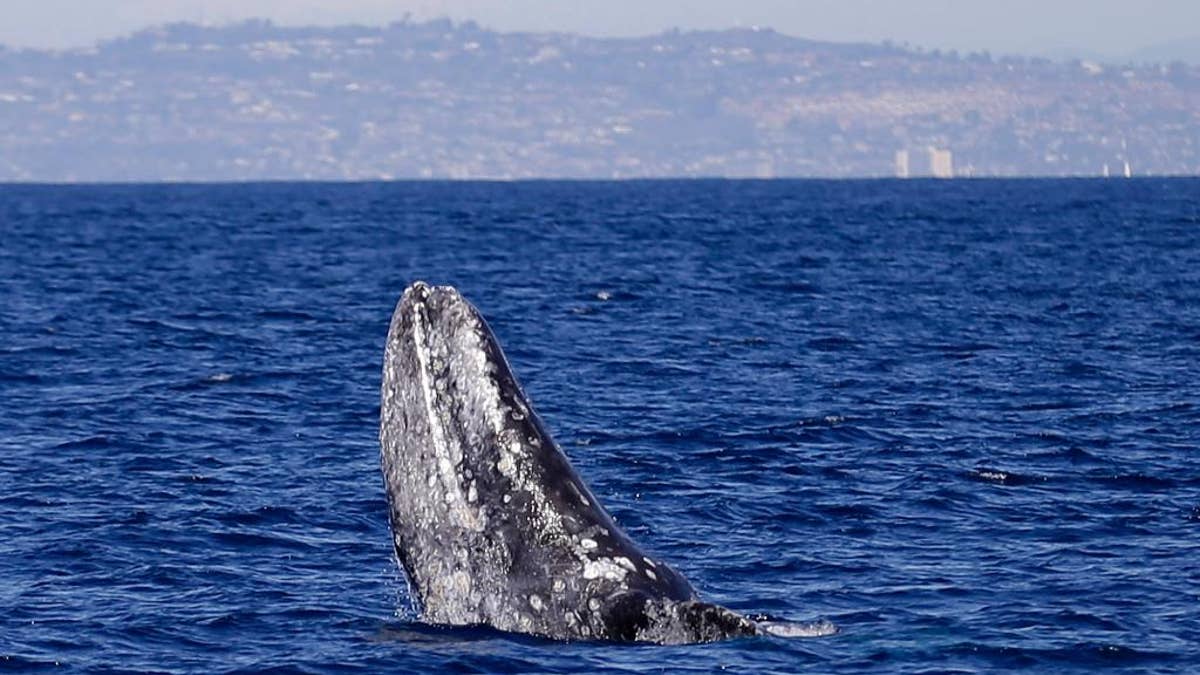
961, 420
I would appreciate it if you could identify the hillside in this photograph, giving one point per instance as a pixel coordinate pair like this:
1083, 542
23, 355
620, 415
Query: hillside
437, 99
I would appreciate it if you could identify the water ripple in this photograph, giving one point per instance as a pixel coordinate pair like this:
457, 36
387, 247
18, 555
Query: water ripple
958, 420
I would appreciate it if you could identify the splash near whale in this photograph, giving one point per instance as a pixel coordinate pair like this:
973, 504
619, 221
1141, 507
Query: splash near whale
490, 522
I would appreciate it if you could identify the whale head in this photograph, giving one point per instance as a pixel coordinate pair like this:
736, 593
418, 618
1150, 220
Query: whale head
490, 521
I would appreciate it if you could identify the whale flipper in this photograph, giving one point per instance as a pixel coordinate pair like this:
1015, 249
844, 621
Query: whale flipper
489, 519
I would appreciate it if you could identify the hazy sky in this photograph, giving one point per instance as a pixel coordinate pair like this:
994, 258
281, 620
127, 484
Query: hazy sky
1105, 27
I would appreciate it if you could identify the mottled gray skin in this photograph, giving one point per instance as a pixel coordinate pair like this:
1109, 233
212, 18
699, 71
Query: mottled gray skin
490, 521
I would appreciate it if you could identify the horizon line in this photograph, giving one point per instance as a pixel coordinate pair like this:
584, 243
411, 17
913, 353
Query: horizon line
567, 179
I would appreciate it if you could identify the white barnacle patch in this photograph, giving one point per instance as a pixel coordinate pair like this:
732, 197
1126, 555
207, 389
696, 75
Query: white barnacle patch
506, 466
594, 605
472, 493
649, 561
514, 463
625, 562
513, 443
604, 568
559, 585
650, 573
588, 544
507, 498
536, 603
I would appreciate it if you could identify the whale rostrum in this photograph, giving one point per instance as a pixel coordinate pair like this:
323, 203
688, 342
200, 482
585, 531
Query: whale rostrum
489, 520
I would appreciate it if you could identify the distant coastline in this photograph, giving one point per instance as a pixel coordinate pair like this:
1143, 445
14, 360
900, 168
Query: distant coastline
444, 100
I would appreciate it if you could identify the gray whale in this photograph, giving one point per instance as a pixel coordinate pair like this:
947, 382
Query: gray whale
490, 522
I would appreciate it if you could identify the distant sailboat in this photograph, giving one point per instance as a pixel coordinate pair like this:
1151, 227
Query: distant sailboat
1128, 170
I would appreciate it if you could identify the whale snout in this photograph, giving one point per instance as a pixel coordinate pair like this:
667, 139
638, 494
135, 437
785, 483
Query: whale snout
437, 298
441, 307
438, 319
421, 292
418, 291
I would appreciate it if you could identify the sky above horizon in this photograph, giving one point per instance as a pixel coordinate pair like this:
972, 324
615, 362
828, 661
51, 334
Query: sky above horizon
1103, 28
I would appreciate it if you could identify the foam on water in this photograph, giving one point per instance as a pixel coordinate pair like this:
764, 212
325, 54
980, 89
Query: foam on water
812, 629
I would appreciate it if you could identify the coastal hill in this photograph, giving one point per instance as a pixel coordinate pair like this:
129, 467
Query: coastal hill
255, 101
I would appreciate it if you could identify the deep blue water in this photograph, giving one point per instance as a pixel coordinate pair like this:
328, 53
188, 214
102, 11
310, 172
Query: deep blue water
961, 420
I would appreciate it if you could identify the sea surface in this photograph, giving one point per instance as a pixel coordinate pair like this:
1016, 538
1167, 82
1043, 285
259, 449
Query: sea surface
960, 420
